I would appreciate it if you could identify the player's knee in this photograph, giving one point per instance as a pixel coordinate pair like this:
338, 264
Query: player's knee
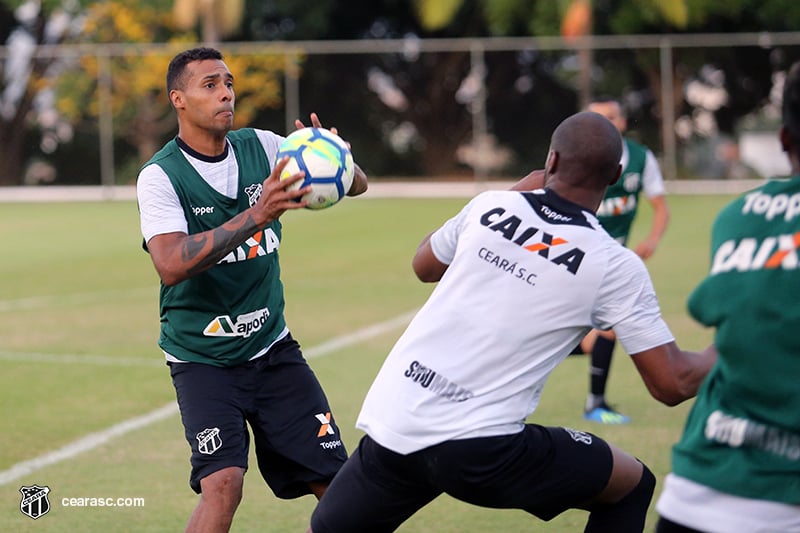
629, 513
643, 492
226, 484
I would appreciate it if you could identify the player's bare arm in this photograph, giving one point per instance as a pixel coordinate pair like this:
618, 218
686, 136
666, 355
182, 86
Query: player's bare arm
673, 375
425, 264
534, 180
178, 256
647, 247
360, 182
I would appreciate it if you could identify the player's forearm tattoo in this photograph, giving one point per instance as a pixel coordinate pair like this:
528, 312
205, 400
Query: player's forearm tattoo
215, 244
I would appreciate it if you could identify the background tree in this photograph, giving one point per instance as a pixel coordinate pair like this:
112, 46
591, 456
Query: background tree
407, 113
24, 25
216, 18
141, 111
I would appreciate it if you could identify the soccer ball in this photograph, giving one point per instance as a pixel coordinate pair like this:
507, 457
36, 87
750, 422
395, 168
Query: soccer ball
326, 160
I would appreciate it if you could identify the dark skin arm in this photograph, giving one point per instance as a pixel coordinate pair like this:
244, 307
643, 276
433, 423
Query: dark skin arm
425, 264
672, 375
178, 256
534, 180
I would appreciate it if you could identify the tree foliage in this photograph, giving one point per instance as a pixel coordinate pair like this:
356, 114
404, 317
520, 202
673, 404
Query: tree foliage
26, 25
522, 88
140, 107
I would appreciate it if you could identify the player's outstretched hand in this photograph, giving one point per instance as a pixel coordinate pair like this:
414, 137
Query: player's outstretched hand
360, 182
315, 123
276, 197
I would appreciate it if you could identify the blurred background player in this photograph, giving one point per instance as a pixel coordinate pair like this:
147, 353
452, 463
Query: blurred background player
737, 465
210, 202
640, 174
446, 412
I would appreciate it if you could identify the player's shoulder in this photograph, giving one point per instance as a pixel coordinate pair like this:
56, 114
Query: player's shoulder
622, 261
151, 173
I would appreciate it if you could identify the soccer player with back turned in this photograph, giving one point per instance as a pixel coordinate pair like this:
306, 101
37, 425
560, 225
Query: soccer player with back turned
737, 465
522, 277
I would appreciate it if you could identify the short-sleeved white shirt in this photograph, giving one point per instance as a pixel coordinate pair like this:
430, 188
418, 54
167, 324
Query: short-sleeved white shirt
160, 210
529, 275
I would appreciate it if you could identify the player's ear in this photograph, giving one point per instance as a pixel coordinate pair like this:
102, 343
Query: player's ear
551, 163
785, 139
616, 175
176, 97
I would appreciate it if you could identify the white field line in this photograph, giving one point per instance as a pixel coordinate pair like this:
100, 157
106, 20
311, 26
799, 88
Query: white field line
84, 444
93, 440
81, 359
357, 336
38, 302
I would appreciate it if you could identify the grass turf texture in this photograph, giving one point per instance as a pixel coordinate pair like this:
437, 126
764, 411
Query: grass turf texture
78, 300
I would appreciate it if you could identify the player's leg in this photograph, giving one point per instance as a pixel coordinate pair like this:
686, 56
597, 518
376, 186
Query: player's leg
597, 408
215, 429
221, 494
298, 444
546, 471
375, 491
622, 505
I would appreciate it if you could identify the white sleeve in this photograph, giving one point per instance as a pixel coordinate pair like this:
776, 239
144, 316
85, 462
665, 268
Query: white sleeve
652, 181
444, 240
627, 303
271, 142
160, 210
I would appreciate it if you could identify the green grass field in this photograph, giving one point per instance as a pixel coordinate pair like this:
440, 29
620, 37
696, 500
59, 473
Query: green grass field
78, 331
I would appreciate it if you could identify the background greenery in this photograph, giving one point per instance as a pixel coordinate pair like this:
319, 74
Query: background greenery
78, 329
58, 125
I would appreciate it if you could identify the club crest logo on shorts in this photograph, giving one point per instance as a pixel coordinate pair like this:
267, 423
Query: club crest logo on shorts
209, 441
579, 436
34, 501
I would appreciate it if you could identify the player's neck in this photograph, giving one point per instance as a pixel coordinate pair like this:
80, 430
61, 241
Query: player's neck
587, 198
204, 142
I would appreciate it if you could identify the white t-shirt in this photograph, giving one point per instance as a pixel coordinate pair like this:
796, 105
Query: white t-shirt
160, 210
529, 275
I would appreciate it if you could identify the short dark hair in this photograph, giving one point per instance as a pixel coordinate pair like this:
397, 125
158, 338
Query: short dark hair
605, 99
179, 62
790, 108
608, 99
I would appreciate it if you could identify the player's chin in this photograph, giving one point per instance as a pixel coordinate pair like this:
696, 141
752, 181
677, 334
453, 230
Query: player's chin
223, 123
220, 130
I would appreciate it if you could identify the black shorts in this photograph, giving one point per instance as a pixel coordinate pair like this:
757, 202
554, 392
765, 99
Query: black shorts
541, 470
295, 436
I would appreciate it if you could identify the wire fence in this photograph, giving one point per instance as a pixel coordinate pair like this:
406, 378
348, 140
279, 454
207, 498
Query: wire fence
454, 109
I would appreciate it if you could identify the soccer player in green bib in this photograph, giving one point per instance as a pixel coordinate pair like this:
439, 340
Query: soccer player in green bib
209, 203
737, 465
641, 176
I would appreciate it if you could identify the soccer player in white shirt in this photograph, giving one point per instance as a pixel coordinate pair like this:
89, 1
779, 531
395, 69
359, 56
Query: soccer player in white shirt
523, 276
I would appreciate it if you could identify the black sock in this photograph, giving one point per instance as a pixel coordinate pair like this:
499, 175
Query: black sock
600, 365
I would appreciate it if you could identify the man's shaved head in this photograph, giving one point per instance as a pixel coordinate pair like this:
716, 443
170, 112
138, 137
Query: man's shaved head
589, 148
